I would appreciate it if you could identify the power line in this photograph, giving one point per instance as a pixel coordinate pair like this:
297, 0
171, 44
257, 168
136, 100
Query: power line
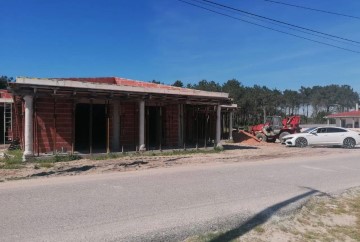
313, 9
282, 22
269, 28
277, 24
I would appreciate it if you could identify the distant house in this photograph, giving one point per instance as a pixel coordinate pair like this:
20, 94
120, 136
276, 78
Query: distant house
110, 114
346, 119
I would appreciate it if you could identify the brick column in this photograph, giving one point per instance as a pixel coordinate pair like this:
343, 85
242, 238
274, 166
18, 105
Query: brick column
28, 130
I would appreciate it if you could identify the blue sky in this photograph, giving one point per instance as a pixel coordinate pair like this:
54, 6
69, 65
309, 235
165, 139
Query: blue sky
167, 40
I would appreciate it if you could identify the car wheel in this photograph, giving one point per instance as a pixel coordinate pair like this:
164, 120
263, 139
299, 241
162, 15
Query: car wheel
301, 142
281, 136
262, 137
349, 143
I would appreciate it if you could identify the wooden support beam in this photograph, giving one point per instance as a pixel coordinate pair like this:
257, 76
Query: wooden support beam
54, 125
90, 127
107, 114
73, 126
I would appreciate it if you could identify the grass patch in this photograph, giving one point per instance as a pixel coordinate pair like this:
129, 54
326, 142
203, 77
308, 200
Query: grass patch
12, 160
49, 162
11, 166
109, 156
57, 158
259, 229
155, 153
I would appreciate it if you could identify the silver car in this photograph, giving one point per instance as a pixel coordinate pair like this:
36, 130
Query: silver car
323, 136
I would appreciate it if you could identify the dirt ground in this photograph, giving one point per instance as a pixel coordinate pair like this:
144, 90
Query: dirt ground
247, 150
322, 218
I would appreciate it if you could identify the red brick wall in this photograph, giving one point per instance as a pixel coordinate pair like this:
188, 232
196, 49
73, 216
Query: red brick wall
45, 137
171, 125
17, 128
46, 134
129, 125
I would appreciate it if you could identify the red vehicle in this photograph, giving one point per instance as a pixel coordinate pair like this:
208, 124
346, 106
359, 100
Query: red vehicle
276, 128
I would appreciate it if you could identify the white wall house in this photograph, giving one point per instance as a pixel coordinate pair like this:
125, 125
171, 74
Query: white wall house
346, 119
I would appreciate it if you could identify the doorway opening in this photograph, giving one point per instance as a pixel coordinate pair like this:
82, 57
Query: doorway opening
154, 127
90, 128
200, 123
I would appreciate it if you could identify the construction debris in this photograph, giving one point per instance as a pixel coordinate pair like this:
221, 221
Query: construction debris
245, 138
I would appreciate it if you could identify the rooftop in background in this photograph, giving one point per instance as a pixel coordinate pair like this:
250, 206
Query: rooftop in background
5, 94
350, 114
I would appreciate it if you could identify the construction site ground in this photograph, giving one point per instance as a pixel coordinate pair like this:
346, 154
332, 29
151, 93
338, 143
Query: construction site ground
244, 149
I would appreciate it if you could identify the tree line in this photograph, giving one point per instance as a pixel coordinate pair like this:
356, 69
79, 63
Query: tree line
257, 102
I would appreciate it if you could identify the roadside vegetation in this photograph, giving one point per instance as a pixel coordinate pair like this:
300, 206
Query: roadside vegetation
156, 153
13, 160
322, 218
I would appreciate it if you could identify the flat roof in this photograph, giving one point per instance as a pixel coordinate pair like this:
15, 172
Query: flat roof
115, 84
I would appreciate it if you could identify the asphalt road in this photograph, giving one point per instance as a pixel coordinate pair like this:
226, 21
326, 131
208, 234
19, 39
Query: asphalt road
167, 203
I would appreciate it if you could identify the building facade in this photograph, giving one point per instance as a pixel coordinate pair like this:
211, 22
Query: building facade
90, 115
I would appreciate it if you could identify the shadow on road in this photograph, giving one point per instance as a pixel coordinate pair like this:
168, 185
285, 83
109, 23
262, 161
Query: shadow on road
260, 218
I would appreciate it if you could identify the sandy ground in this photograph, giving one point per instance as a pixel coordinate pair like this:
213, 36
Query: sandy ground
323, 218
236, 152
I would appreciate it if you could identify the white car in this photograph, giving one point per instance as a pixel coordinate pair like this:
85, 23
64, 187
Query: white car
323, 136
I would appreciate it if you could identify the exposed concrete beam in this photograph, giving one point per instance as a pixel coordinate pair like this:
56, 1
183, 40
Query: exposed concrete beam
112, 87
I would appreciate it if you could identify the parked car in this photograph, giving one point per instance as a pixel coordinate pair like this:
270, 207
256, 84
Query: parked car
323, 136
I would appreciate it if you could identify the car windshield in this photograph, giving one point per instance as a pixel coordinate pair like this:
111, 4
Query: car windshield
308, 130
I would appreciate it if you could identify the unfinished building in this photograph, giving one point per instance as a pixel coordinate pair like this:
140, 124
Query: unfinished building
97, 115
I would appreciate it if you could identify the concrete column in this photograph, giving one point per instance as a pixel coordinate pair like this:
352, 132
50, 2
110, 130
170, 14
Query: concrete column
116, 127
328, 122
29, 135
142, 146
353, 123
230, 125
218, 125
338, 122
